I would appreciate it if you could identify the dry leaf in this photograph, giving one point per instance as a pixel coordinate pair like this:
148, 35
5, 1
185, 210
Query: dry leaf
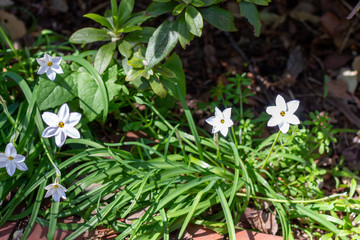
15, 26
262, 220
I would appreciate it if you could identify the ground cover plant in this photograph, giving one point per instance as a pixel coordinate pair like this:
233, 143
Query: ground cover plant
61, 95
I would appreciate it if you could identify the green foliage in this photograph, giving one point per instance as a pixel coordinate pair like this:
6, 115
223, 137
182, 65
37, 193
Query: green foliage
177, 173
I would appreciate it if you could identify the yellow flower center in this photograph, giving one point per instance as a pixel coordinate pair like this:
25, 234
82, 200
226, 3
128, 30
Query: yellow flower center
49, 64
56, 186
222, 120
282, 113
10, 158
61, 124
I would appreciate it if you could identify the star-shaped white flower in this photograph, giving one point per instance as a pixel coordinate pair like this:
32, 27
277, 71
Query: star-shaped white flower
283, 114
50, 66
55, 190
11, 160
221, 121
61, 125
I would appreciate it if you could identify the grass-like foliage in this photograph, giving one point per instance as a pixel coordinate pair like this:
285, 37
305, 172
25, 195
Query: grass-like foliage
177, 173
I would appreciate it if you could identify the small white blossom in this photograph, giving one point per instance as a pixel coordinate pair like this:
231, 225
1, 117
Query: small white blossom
221, 121
283, 114
55, 190
61, 125
11, 160
50, 66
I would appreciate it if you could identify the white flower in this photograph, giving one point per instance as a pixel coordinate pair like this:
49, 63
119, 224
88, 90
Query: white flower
221, 121
61, 125
11, 160
50, 66
283, 114
55, 190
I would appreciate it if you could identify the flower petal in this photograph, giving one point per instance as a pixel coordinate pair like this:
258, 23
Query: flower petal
216, 128
74, 119
3, 157
293, 106
280, 103
64, 113
56, 196
218, 113
43, 69
227, 113
273, 110
61, 192
21, 166
71, 131
292, 119
212, 120
56, 68
274, 120
10, 167
3, 162
50, 119
49, 192
19, 158
10, 151
56, 60
47, 58
284, 127
41, 61
228, 123
50, 132
60, 139
224, 131
50, 186
51, 74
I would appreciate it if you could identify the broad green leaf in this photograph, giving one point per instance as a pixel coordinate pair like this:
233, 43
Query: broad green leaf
104, 56
184, 35
175, 65
141, 36
137, 60
249, 11
50, 94
135, 21
160, 44
194, 20
165, 72
95, 75
157, 87
178, 9
89, 35
158, 8
259, 2
125, 9
134, 74
130, 29
125, 48
197, 3
110, 77
208, 3
219, 18
100, 19
90, 96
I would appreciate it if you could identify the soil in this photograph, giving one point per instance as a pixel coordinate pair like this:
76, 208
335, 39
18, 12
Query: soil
303, 48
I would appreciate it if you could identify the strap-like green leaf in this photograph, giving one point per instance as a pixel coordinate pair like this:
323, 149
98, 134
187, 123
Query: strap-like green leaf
100, 19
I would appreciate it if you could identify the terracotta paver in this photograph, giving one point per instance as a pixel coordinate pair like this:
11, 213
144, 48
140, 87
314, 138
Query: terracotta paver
6, 230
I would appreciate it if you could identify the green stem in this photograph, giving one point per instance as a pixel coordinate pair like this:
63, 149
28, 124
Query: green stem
271, 149
141, 116
233, 133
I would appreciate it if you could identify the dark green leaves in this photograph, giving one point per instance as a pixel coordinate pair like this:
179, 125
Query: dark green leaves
194, 20
103, 57
249, 11
219, 18
100, 19
160, 44
89, 35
